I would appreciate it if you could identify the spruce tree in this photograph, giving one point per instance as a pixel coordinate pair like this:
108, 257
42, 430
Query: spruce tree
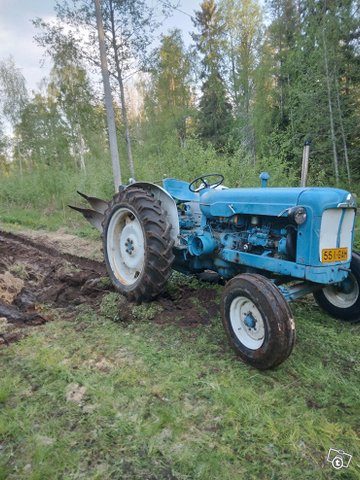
215, 119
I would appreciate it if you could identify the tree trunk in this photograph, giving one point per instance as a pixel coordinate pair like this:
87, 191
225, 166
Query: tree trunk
82, 153
332, 127
20, 158
233, 74
108, 100
343, 136
78, 147
122, 93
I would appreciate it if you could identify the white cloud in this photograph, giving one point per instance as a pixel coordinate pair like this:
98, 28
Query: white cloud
16, 36
17, 32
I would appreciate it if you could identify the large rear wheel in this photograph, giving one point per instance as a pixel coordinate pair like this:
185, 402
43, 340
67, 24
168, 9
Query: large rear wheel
137, 244
257, 320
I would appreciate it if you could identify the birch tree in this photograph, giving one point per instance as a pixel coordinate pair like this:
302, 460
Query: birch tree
129, 26
13, 99
243, 20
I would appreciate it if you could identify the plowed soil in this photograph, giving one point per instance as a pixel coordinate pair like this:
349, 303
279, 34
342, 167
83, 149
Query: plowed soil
40, 283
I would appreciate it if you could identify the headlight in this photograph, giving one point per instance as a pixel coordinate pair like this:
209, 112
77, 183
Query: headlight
298, 215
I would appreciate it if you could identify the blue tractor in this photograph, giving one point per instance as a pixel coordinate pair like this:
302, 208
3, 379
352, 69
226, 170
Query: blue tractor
270, 245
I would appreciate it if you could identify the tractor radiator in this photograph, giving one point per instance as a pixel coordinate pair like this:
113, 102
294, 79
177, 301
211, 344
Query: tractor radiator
336, 229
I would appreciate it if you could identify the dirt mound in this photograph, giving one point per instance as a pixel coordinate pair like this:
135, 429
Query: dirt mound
33, 279
10, 286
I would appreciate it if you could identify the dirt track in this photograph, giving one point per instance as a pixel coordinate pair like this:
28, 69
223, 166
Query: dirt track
38, 283
36, 278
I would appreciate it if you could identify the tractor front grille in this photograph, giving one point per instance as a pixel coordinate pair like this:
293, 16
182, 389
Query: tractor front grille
336, 231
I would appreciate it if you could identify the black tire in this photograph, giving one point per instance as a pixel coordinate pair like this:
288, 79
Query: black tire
276, 330
330, 297
155, 253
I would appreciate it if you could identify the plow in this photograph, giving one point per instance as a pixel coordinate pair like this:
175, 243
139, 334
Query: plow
270, 246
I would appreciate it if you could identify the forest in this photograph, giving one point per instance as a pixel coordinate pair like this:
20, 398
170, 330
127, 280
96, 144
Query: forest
255, 83
115, 363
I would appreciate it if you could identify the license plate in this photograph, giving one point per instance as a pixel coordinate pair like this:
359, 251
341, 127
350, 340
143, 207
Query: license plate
334, 255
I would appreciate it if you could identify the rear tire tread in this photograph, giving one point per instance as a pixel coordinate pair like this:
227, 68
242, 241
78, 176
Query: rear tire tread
159, 244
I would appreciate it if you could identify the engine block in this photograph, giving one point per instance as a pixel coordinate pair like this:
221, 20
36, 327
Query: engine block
273, 237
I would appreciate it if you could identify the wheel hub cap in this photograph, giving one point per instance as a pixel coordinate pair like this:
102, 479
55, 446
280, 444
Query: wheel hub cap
247, 322
132, 245
129, 244
125, 246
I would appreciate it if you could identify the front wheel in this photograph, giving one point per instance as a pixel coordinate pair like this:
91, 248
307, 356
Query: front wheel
257, 320
343, 301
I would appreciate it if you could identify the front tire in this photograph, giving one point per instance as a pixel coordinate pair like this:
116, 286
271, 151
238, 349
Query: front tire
137, 244
257, 320
343, 301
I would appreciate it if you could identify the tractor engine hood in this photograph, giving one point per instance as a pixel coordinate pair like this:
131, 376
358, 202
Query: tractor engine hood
271, 201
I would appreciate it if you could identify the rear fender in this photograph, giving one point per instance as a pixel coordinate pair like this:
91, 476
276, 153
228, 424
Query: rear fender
167, 203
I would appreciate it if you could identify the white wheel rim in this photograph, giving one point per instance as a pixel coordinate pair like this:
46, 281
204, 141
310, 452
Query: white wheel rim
125, 246
247, 323
340, 298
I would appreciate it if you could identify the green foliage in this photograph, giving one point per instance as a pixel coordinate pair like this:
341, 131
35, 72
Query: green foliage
167, 100
57, 129
171, 75
312, 54
52, 187
209, 38
241, 51
194, 158
13, 93
265, 88
111, 306
43, 137
214, 118
146, 312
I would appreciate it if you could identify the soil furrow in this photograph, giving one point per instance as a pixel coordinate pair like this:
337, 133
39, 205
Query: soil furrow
74, 259
39, 283
36, 280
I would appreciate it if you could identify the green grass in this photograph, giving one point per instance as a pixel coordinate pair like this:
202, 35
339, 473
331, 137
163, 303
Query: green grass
68, 221
168, 402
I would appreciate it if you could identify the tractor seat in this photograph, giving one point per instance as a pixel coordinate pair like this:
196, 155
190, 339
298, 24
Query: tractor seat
179, 189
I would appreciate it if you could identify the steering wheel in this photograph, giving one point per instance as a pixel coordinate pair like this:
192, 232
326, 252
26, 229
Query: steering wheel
204, 183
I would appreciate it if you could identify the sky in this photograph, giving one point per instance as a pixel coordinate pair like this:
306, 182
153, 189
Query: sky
17, 32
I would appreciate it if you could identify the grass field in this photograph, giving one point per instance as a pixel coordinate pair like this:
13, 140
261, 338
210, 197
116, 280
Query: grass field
15, 217
97, 399
100, 397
